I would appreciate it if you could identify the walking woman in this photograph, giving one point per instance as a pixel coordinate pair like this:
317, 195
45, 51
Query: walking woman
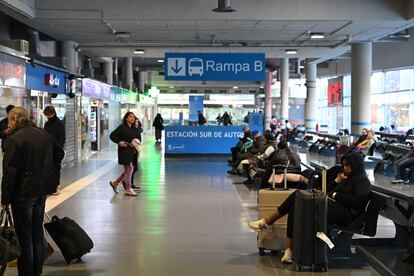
138, 129
123, 136
158, 124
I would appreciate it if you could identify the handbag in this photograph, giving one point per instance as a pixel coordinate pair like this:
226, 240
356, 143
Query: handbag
9, 243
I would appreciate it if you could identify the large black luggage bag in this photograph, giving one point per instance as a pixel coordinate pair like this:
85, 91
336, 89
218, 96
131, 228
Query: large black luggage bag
71, 239
310, 252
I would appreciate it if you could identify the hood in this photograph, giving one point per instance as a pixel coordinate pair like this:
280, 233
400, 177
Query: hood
357, 164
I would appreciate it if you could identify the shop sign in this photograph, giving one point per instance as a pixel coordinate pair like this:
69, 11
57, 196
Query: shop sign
128, 97
116, 94
52, 80
45, 79
95, 90
146, 100
12, 71
335, 90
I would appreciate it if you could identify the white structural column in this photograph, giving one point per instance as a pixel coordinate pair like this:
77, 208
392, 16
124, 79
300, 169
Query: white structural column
128, 72
268, 100
108, 72
361, 86
115, 76
69, 51
284, 91
311, 103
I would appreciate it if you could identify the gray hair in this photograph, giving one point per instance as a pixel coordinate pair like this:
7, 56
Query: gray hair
20, 114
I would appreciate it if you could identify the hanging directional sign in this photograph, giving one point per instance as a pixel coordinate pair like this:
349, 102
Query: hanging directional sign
215, 66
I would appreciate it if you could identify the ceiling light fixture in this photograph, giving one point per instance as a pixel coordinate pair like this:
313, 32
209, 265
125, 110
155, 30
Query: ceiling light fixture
224, 6
291, 51
160, 60
122, 34
317, 35
139, 51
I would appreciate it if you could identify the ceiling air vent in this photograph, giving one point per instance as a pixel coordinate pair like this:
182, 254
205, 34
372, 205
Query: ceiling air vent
224, 6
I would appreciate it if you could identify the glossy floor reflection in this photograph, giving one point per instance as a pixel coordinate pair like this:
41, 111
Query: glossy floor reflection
190, 219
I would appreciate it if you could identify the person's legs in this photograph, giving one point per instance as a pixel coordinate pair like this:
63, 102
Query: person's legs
234, 153
38, 234
403, 165
119, 178
135, 164
128, 169
22, 217
397, 169
338, 214
285, 208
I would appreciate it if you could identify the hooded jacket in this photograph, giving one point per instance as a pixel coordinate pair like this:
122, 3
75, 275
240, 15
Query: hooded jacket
354, 192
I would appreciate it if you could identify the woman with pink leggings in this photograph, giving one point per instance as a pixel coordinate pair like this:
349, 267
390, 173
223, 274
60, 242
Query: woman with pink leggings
123, 136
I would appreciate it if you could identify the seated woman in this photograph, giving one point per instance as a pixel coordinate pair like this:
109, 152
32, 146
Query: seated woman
281, 157
364, 146
401, 166
347, 198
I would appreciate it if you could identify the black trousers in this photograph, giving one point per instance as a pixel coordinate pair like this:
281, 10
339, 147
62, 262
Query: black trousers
234, 153
135, 164
337, 214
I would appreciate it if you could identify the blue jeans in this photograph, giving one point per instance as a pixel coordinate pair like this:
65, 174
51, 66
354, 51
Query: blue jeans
28, 222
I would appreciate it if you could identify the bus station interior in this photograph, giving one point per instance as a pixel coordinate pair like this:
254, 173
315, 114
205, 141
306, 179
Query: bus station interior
329, 65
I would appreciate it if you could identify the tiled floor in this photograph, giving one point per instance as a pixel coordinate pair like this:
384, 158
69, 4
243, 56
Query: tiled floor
190, 219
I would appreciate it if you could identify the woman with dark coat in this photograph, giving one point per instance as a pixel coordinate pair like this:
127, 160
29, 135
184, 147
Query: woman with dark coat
347, 198
281, 156
123, 136
138, 129
158, 124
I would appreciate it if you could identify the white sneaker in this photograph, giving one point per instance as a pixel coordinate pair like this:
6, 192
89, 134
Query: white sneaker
130, 192
258, 225
288, 256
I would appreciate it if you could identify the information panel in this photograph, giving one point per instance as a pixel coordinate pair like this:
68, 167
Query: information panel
201, 139
215, 66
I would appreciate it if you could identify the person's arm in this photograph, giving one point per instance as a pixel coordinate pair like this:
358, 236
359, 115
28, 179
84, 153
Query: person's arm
11, 164
358, 196
115, 135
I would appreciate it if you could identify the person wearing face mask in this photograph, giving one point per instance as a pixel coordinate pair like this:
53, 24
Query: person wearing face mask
123, 135
347, 197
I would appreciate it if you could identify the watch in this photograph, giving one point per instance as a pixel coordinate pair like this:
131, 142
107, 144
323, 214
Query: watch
333, 195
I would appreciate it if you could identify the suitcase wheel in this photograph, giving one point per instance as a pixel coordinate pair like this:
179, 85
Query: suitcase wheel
299, 268
262, 252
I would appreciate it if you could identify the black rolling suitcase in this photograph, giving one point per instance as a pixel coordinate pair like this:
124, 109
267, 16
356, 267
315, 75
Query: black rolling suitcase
309, 251
71, 239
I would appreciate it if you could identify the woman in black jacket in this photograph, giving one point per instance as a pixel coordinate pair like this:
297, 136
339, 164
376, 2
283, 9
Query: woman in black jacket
347, 199
158, 124
123, 136
281, 156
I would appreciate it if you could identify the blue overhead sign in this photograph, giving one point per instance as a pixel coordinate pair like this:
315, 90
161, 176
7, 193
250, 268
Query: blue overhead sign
215, 66
201, 139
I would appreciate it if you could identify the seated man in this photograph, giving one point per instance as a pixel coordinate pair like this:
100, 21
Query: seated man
401, 166
346, 201
281, 157
255, 161
258, 146
236, 149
